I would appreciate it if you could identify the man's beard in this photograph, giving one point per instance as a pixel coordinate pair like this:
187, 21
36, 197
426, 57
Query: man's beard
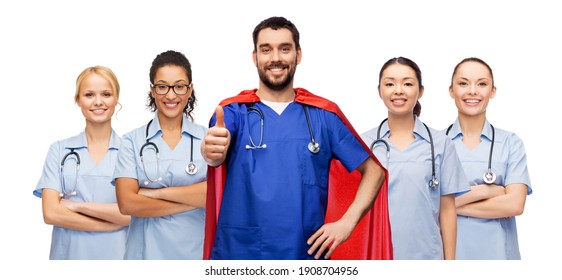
276, 85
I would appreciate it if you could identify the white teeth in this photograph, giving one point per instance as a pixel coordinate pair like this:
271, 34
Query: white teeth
472, 101
398, 102
171, 105
99, 111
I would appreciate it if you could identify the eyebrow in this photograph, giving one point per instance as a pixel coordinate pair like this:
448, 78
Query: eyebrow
162, 81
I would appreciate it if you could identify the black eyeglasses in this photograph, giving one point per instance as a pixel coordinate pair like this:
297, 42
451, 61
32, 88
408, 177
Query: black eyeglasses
162, 89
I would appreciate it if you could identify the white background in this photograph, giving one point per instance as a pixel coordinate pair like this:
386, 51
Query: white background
46, 44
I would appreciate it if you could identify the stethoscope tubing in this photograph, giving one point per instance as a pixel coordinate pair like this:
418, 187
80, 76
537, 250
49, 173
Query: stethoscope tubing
433, 182
489, 177
63, 183
190, 169
313, 146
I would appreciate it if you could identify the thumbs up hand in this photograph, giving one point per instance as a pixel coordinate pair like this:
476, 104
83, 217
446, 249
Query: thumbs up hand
217, 141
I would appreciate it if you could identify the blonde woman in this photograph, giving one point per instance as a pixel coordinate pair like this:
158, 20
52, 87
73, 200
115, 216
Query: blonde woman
75, 186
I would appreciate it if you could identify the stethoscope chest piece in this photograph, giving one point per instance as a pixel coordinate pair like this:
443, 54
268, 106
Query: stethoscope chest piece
191, 168
489, 177
314, 147
434, 183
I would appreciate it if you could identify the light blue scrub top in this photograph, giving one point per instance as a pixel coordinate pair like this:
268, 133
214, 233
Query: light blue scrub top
178, 236
486, 239
414, 206
94, 185
275, 198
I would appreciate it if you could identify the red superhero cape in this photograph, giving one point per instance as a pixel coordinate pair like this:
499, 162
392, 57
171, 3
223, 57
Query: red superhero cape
371, 239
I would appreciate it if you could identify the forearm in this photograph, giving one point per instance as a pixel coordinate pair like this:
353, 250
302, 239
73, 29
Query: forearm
54, 213
103, 211
372, 178
192, 195
132, 203
510, 204
448, 223
478, 193
141, 206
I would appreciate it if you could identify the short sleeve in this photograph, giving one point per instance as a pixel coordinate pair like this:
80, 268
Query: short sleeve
50, 176
125, 167
453, 178
517, 172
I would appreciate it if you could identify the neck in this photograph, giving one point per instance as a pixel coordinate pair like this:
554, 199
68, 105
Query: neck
170, 124
401, 125
285, 95
98, 132
472, 125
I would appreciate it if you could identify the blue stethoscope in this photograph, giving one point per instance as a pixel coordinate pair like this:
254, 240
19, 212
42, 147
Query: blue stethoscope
433, 182
489, 177
313, 146
190, 169
74, 154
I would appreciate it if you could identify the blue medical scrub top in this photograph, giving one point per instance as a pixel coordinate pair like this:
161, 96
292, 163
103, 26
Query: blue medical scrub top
486, 239
413, 206
93, 185
178, 236
275, 198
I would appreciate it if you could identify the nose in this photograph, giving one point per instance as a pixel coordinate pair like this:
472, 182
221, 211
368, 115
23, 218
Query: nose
171, 93
98, 100
275, 55
398, 89
472, 89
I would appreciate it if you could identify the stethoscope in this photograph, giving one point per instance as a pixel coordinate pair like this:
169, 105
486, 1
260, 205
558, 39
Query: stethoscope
433, 182
190, 169
313, 146
73, 192
489, 177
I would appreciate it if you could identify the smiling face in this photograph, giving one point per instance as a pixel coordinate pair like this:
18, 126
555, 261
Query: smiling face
171, 105
96, 99
472, 88
399, 89
276, 57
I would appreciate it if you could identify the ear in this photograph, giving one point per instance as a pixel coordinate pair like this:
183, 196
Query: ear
493, 92
421, 92
152, 91
190, 90
451, 94
255, 57
299, 56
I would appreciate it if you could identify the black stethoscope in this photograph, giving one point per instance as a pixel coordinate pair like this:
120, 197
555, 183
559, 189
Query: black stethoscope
313, 146
63, 184
489, 177
433, 182
190, 169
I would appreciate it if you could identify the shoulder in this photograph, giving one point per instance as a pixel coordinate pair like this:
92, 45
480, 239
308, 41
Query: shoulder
135, 133
197, 130
370, 134
508, 138
306, 97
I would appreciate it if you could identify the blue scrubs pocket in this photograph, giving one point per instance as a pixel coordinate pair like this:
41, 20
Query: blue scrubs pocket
232, 242
313, 207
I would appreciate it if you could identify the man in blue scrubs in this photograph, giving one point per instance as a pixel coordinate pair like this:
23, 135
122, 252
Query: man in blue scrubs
277, 143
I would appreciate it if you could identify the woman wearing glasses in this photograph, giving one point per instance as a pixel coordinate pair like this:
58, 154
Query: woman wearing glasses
160, 177
75, 186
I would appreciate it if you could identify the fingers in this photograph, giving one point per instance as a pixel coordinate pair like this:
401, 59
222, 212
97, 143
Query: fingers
219, 112
217, 140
